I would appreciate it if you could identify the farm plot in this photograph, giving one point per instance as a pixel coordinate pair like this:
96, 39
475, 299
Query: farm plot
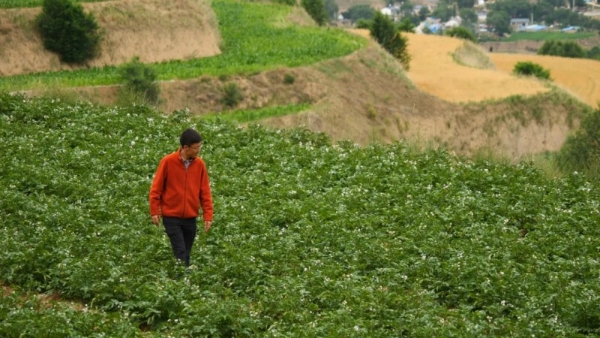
309, 239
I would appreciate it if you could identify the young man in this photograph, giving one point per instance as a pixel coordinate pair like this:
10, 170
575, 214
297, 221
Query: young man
179, 189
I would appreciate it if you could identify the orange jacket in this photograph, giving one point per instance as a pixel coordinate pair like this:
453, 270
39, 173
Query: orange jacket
180, 192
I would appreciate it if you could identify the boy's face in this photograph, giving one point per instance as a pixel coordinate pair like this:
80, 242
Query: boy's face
193, 150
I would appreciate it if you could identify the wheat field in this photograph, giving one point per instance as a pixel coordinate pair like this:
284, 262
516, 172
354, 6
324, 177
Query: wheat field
433, 70
579, 77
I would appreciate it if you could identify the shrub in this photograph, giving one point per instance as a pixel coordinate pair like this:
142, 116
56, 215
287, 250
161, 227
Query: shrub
231, 95
461, 33
529, 68
140, 80
594, 53
66, 30
567, 49
384, 32
406, 26
357, 12
581, 151
364, 24
289, 78
316, 9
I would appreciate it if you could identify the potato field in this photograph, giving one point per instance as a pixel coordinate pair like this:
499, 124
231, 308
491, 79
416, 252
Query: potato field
310, 239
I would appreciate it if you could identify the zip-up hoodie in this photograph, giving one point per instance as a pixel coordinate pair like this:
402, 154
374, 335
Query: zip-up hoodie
180, 192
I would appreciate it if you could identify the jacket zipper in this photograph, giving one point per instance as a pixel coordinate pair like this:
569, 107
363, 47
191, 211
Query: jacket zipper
184, 190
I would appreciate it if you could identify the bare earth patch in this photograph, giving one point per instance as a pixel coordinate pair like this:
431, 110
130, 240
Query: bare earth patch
154, 30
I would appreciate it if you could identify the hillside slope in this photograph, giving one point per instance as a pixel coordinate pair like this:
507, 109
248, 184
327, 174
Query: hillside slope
154, 30
369, 99
365, 96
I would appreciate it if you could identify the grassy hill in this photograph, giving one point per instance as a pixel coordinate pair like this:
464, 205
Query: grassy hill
309, 238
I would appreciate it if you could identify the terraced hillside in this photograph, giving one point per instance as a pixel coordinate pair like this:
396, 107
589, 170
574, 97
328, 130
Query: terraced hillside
439, 102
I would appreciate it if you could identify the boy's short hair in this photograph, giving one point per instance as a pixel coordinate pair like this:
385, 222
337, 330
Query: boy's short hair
189, 137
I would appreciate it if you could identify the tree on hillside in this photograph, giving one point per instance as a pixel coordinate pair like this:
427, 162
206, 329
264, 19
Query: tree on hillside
316, 9
66, 30
406, 26
407, 8
499, 21
358, 12
139, 82
332, 9
468, 15
555, 3
466, 3
567, 49
581, 151
424, 13
514, 8
461, 33
384, 32
443, 11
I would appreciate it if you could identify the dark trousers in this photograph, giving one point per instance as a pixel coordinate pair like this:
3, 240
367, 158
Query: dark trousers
182, 233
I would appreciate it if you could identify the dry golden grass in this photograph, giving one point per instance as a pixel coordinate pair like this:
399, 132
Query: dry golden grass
433, 70
579, 77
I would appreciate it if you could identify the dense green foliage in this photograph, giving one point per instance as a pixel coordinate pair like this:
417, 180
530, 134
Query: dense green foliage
569, 49
594, 53
357, 12
332, 9
250, 43
28, 315
581, 151
140, 79
529, 68
31, 3
316, 10
499, 22
405, 26
443, 11
461, 33
383, 31
309, 239
66, 30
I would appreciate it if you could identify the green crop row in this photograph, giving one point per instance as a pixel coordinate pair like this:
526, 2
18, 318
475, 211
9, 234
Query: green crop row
251, 43
31, 3
309, 239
